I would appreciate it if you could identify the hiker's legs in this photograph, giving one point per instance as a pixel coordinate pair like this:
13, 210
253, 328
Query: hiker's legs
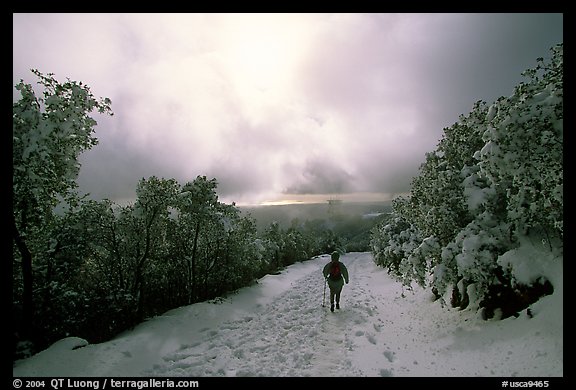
332, 299
335, 289
337, 295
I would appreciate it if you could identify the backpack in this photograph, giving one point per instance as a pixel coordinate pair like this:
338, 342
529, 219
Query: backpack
335, 273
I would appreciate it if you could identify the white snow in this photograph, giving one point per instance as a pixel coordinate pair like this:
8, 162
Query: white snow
279, 328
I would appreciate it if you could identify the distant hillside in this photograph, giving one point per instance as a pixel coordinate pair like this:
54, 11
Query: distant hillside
285, 214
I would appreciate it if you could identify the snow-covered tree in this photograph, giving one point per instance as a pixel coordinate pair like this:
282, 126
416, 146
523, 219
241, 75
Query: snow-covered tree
273, 241
83, 282
48, 134
146, 225
197, 204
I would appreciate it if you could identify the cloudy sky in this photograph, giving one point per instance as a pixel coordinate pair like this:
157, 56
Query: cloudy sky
278, 106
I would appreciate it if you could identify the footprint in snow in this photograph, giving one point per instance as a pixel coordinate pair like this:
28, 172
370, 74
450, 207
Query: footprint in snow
390, 356
372, 339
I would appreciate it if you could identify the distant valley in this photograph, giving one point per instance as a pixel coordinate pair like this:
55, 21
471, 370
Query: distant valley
285, 215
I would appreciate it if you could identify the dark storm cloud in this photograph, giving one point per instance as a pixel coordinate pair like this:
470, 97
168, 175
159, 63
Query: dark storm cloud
322, 177
280, 103
401, 79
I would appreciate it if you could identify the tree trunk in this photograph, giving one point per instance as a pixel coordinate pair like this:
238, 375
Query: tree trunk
193, 265
27, 278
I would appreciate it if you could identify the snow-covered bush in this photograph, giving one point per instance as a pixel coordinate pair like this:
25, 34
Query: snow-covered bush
495, 177
523, 151
393, 244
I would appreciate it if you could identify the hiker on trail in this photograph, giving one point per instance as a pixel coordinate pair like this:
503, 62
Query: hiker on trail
335, 274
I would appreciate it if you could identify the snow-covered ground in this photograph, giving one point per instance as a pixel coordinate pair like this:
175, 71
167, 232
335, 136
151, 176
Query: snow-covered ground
280, 328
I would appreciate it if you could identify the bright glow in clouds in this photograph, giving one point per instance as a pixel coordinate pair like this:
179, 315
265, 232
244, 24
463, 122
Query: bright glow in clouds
277, 106
261, 51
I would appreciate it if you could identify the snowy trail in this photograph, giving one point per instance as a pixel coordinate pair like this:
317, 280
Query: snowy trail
294, 335
278, 328
293, 332
398, 332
